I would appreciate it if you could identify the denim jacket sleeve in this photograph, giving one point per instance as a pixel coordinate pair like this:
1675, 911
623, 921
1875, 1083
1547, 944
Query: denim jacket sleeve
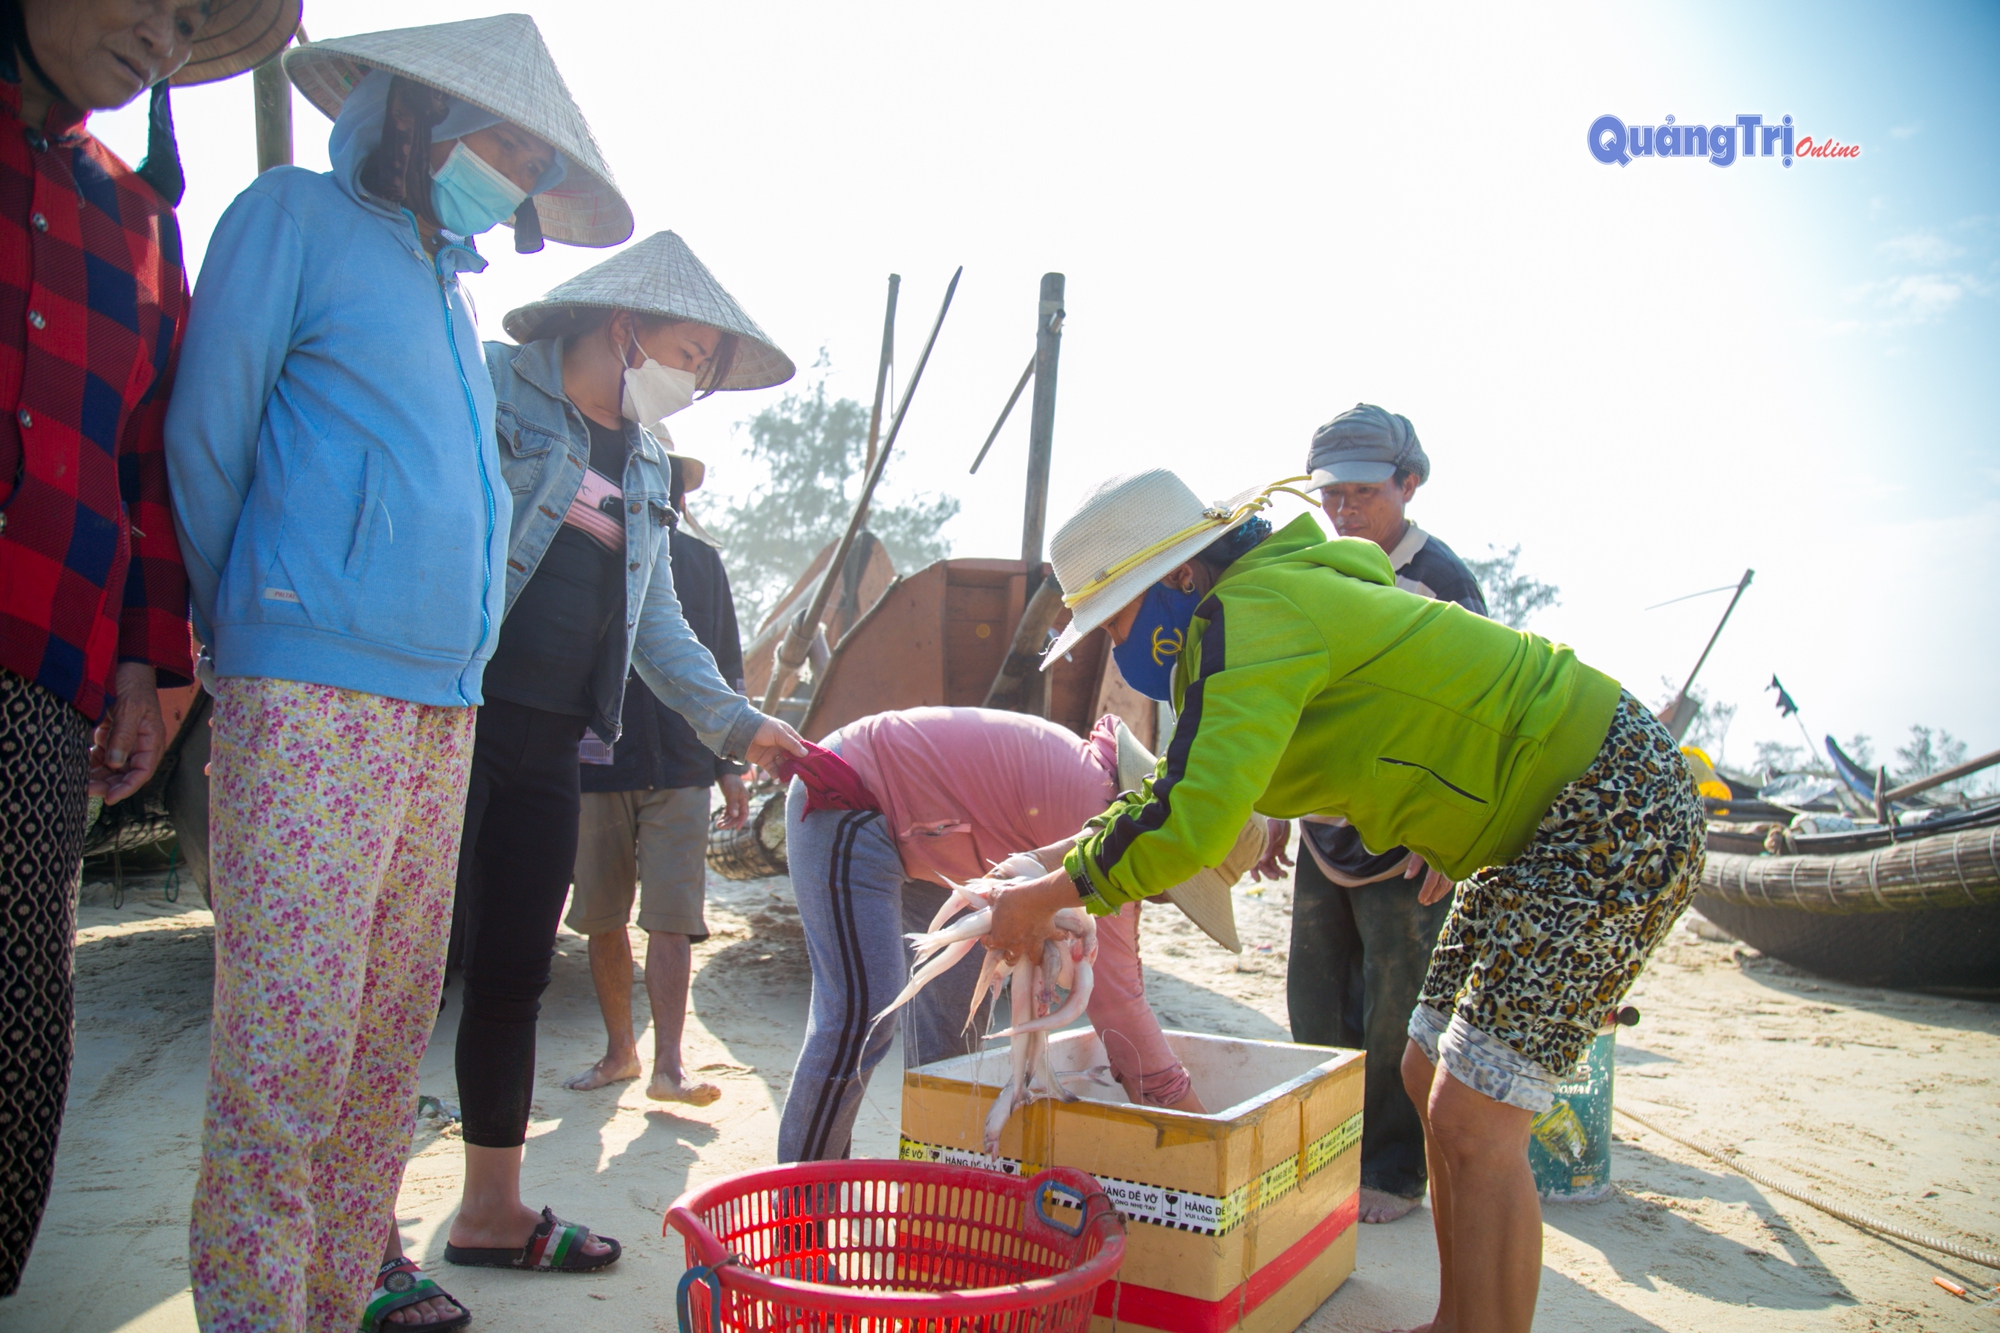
677, 668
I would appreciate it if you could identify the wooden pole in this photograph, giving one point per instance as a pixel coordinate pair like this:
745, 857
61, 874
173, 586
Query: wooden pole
1939, 778
1042, 425
797, 640
1006, 411
1019, 680
1678, 714
882, 372
271, 94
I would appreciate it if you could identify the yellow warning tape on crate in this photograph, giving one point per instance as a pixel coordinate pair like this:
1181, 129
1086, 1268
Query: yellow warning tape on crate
1183, 1210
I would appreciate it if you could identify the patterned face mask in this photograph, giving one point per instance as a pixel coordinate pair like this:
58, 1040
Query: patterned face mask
1146, 658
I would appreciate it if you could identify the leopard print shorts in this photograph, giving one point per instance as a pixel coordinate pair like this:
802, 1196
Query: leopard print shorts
1538, 951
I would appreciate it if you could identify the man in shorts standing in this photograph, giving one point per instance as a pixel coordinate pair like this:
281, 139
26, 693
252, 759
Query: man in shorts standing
644, 827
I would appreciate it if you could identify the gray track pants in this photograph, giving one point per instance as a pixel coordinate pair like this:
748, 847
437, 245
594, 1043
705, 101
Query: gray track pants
856, 906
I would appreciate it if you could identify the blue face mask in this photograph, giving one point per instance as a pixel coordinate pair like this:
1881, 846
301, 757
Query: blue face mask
1146, 658
470, 193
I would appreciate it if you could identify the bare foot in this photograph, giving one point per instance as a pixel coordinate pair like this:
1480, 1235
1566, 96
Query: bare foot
665, 1089
433, 1311
609, 1070
1377, 1206
509, 1232
437, 1310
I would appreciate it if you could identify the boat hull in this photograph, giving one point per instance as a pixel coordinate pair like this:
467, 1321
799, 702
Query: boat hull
1951, 947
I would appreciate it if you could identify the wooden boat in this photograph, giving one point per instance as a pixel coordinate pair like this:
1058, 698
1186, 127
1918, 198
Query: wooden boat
938, 637
1915, 907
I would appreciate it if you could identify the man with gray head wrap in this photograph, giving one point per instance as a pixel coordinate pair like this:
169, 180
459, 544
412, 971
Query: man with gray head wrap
1360, 938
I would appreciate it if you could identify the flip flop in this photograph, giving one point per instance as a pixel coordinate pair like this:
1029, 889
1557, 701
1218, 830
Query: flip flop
556, 1247
399, 1285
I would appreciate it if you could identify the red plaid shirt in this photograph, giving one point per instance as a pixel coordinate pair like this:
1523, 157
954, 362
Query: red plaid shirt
92, 304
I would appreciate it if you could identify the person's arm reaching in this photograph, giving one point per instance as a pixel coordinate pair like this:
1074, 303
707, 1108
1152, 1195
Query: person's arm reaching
1236, 719
675, 666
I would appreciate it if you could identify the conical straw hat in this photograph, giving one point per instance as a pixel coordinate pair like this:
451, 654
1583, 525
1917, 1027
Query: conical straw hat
1204, 898
239, 35
658, 276
500, 65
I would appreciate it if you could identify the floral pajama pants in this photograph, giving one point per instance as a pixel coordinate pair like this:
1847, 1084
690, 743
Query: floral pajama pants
333, 826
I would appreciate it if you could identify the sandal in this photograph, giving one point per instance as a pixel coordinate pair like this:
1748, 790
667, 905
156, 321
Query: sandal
399, 1285
556, 1247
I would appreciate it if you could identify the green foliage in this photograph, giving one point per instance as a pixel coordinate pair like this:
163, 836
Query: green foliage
810, 450
1933, 751
1776, 758
1511, 597
1710, 730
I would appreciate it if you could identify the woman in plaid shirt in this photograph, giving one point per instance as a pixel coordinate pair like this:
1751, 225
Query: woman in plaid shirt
93, 597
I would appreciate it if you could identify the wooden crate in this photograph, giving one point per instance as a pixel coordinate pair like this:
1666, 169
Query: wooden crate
1240, 1219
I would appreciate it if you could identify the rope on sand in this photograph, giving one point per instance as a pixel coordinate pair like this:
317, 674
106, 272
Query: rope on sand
1817, 1200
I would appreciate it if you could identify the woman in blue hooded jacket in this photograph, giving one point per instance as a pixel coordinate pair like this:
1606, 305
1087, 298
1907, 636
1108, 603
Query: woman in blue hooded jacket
341, 512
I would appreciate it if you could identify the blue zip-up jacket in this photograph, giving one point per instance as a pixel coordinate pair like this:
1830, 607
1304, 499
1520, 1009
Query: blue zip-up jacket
330, 443
545, 450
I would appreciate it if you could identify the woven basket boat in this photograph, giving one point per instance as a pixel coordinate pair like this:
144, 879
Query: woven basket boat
1920, 911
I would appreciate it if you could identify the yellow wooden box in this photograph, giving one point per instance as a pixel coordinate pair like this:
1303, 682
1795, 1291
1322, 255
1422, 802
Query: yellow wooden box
1240, 1219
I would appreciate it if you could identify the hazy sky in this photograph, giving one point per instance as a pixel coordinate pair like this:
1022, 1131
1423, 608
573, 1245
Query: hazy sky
1650, 376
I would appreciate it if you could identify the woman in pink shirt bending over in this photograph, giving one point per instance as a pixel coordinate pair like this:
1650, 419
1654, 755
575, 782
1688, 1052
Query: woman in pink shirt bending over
952, 791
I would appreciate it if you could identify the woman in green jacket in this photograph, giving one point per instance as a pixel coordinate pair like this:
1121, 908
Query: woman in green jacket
1306, 683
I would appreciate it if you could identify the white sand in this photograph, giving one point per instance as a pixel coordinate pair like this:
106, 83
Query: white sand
1892, 1100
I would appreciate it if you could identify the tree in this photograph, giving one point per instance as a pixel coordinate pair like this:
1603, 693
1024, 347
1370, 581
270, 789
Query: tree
1776, 758
1710, 730
1511, 597
1930, 752
811, 450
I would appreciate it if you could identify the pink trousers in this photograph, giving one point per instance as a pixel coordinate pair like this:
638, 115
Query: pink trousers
1141, 1061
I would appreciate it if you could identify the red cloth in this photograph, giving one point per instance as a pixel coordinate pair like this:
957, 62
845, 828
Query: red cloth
831, 782
92, 304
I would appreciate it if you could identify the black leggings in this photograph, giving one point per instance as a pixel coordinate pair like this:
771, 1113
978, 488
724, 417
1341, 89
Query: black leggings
514, 870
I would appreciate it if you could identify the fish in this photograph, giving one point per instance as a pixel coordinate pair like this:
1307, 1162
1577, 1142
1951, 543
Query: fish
1035, 984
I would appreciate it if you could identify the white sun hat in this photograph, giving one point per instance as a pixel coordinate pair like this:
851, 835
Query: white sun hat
657, 276
501, 65
1205, 897
1128, 532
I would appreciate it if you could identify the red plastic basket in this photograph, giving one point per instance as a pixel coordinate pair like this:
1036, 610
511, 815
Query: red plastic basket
895, 1247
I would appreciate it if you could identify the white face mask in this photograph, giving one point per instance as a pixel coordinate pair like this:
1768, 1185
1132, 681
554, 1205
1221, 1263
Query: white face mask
654, 392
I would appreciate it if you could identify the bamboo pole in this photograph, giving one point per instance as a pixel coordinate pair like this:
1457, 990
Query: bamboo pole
882, 371
1042, 424
1005, 412
1023, 662
794, 647
1939, 778
1678, 715
271, 96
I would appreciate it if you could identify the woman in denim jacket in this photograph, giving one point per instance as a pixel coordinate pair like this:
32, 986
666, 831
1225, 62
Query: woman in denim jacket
589, 590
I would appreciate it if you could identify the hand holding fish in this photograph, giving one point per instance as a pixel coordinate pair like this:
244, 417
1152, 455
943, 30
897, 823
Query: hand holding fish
1023, 913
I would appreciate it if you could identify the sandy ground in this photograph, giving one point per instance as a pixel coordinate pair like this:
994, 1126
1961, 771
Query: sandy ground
1889, 1099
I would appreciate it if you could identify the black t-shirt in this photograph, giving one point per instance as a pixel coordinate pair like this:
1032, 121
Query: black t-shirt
658, 748
549, 643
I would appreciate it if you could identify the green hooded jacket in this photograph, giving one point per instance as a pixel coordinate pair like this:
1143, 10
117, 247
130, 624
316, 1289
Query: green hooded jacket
1310, 684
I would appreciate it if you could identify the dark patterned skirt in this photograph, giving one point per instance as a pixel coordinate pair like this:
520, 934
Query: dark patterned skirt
44, 774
